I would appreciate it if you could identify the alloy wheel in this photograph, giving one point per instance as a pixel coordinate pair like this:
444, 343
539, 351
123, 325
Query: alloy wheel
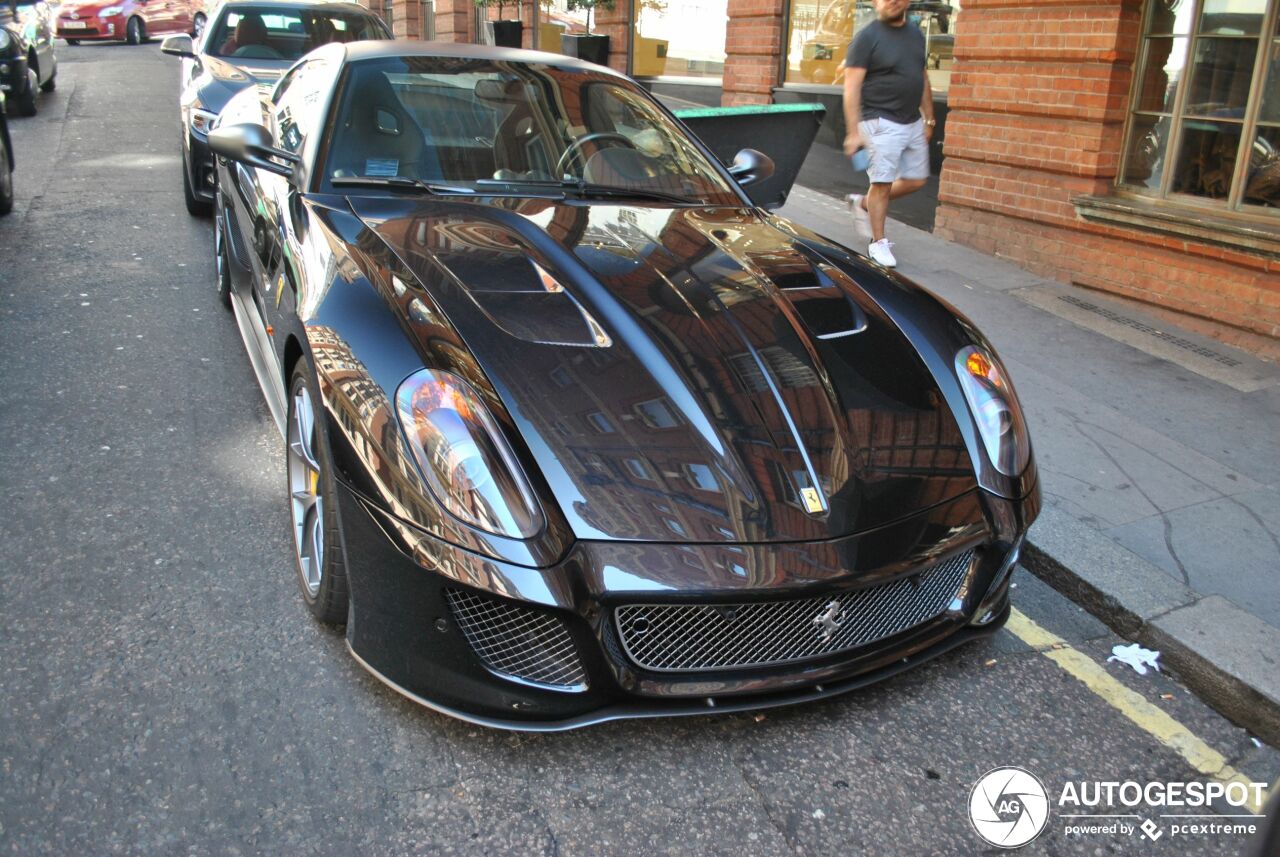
306, 501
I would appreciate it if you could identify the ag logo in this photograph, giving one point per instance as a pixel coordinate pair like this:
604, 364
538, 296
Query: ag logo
1008, 807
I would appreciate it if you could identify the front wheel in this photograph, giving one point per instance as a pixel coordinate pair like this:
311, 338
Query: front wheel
73, 42
6, 180
134, 32
51, 84
196, 206
317, 547
27, 100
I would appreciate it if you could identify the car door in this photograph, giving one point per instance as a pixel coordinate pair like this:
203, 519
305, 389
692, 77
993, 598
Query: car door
296, 117
179, 16
155, 14
268, 207
252, 214
37, 21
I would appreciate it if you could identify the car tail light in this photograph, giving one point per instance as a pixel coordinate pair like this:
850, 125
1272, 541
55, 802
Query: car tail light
463, 457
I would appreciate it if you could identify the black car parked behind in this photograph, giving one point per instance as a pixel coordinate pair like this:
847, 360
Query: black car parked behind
27, 60
248, 43
6, 162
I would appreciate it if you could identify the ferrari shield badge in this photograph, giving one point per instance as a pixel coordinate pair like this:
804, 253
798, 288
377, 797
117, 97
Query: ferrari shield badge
812, 500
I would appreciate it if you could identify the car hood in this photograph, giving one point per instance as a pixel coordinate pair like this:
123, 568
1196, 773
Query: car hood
220, 80
686, 375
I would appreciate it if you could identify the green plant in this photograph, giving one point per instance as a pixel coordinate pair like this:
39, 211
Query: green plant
589, 5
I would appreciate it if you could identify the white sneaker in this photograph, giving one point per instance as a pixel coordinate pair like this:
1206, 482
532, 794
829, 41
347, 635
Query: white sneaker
861, 220
879, 252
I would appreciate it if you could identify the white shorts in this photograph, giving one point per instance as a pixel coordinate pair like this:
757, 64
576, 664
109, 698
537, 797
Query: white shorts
897, 151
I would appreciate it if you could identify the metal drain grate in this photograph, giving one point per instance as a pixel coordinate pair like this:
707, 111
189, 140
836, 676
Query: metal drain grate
1177, 341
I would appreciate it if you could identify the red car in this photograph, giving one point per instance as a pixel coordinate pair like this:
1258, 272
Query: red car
132, 21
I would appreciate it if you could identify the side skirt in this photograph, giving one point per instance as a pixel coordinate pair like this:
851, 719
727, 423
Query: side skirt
262, 357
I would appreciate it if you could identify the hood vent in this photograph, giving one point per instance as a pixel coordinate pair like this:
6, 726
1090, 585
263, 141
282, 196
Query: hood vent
518, 294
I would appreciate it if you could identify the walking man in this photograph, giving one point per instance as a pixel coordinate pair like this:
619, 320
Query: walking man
888, 109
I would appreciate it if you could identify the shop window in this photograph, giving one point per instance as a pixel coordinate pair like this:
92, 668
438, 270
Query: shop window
819, 33
679, 39
1205, 115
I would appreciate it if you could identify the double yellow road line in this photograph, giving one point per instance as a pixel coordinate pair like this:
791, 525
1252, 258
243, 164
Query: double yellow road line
1131, 704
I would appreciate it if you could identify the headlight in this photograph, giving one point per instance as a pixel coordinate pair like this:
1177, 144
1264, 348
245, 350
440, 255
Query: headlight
110, 11
995, 409
4, 40
463, 457
203, 121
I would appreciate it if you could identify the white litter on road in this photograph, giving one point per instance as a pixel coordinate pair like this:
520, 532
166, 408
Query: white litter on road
1136, 657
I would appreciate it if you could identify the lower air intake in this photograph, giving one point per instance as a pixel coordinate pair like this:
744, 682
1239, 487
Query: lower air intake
694, 637
517, 642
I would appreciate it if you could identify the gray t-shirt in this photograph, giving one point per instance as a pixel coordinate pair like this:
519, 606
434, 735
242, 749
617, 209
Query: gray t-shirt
894, 58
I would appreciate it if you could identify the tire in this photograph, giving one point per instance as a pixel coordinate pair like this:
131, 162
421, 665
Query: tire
196, 207
135, 32
72, 42
221, 255
317, 544
6, 180
197, 25
27, 100
51, 84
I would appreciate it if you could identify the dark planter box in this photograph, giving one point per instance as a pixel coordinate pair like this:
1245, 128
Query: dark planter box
784, 132
590, 48
508, 34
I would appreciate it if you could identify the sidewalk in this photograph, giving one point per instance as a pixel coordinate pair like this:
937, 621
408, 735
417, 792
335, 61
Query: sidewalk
1159, 459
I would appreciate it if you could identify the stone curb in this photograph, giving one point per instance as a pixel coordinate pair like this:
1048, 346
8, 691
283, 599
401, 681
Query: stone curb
1228, 656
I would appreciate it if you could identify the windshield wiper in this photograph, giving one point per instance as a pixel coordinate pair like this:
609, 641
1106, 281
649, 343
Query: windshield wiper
589, 189
399, 182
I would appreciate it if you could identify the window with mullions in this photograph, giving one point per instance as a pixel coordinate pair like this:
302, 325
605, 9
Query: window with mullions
1205, 120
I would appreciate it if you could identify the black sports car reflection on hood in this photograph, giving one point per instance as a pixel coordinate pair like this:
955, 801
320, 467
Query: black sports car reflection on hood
574, 432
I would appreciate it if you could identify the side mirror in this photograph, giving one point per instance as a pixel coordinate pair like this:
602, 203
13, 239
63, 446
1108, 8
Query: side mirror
251, 145
750, 166
178, 46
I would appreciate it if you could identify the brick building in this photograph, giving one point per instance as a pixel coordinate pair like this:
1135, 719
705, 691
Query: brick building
1128, 146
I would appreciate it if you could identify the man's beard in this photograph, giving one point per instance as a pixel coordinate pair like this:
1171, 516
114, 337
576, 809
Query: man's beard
895, 19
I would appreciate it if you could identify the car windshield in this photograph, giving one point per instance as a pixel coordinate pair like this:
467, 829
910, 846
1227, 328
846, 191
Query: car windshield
273, 33
496, 126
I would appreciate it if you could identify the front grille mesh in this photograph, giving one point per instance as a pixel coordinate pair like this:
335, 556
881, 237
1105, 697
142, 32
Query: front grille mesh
693, 637
518, 642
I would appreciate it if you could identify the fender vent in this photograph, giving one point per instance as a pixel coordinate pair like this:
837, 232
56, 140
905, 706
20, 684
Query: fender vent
518, 642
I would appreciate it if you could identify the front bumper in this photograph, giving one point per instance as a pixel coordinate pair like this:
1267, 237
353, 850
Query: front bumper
94, 30
403, 629
13, 75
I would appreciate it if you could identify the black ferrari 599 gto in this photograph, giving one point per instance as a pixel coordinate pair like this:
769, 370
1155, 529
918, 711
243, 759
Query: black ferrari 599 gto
575, 432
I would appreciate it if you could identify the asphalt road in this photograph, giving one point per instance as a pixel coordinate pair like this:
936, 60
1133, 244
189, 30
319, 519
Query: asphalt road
165, 691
